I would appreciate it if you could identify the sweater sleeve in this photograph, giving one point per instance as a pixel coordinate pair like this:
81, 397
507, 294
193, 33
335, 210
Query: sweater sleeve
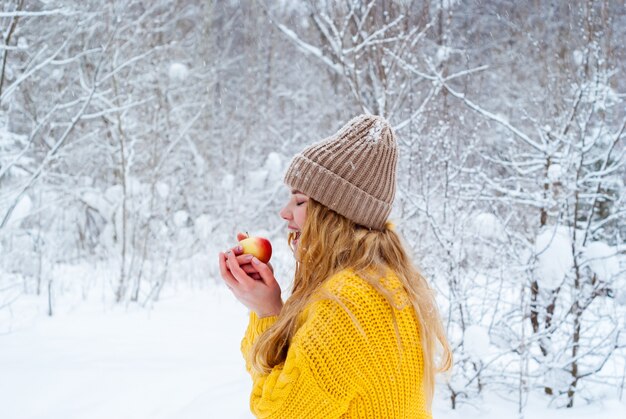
317, 379
256, 327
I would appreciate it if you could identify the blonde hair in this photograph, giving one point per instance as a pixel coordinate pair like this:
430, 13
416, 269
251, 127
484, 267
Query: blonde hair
330, 243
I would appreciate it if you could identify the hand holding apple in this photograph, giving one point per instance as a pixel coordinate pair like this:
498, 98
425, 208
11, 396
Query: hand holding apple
250, 279
245, 259
257, 246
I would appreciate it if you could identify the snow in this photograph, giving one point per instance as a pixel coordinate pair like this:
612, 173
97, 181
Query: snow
273, 162
257, 179
135, 187
228, 182
203, 226
162, 189
98, 202
178, 359
22, 210
114, 194
22, 43
555, 171
476, 342
578, 56
108, 238
178, 72
274, 166
602, 260
554, 256
374, 133
448, 4
56, 74
487, 226
100, 361
309, 49
181, 218
443, 53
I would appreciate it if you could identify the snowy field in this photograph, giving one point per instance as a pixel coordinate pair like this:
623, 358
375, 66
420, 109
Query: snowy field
179, 359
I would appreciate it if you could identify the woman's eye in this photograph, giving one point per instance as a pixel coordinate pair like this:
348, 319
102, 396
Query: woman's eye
300, 203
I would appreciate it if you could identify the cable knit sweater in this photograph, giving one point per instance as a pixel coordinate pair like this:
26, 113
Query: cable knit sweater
338, 369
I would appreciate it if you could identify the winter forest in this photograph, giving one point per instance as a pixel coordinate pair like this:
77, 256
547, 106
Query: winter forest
138, 137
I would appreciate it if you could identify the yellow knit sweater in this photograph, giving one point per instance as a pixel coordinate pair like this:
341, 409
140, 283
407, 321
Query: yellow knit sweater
336, 369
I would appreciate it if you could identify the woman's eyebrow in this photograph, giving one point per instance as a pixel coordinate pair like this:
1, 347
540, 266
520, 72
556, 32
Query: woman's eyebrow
295, 191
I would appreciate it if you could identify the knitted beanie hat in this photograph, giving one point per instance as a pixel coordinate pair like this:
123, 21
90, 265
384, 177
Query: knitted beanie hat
352, 172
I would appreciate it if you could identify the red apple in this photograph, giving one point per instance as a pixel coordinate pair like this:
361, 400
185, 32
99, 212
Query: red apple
257, 246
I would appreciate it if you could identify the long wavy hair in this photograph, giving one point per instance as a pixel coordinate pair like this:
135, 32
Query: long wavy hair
329, 243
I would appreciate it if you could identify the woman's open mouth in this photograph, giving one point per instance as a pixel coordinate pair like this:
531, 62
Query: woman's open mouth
293, 237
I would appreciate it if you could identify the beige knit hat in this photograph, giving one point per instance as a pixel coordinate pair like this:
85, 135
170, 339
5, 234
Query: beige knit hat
352, 172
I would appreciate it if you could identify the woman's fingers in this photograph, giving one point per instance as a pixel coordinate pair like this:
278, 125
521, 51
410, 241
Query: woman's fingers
236, 270
241, 236
227, 276
244, 259
245, 262
249, 269
237, 250
267, 276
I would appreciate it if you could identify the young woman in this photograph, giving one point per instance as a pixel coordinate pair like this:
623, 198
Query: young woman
358, 336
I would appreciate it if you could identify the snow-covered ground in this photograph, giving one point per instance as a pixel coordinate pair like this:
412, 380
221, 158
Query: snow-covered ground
179, 359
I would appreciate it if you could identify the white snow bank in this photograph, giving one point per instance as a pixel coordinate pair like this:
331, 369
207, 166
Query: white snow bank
274, 166
178, 72
181, 218
555, 173
553, 248
487, 226
603, 260
203, 226
178, 361
476, 342
162, 189
22, 210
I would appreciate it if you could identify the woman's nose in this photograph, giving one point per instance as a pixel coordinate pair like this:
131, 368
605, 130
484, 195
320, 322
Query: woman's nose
285, 214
